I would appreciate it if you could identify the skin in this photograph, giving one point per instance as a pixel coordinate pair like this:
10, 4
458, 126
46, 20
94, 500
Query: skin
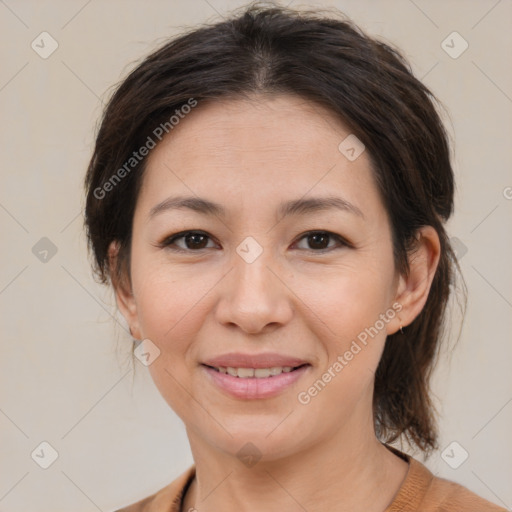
295, 299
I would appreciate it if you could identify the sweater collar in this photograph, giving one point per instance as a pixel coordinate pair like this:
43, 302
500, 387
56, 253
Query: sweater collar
414, 487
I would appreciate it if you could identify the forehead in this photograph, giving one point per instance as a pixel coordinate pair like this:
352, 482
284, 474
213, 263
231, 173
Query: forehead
256, 152
266, 124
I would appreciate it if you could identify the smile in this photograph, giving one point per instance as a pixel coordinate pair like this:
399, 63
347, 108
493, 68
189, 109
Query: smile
254, 383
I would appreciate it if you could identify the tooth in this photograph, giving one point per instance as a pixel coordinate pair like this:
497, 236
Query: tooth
261, 372
245, 372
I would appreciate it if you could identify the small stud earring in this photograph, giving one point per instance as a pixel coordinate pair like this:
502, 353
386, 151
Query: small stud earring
401, 330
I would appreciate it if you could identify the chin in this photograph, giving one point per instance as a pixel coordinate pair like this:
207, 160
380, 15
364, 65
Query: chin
256, 438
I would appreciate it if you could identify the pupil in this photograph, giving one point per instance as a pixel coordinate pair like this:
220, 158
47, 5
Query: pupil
317, 236
192, 238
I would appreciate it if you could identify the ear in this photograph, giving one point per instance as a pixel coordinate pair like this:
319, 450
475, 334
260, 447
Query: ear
412, 291
123, 291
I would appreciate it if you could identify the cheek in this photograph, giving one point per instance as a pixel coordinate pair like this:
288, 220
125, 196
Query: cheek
349, 300
353, 334
160, 295
349, 305
172, 302
166, 307
171, 312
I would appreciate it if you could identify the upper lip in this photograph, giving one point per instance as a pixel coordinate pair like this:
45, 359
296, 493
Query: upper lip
263, 360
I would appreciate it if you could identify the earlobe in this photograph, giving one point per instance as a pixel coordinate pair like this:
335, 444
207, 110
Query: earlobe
123, 291
413, 290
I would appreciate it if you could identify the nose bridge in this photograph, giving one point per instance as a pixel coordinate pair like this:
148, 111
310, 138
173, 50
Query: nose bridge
254, 296
252, 271
252, 280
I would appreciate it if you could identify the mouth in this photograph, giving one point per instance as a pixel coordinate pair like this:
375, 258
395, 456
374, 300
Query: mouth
256, 373
255, 383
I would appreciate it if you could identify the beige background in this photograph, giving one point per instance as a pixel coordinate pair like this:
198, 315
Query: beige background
62, 378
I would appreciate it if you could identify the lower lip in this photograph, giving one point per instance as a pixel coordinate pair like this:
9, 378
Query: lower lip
252, 387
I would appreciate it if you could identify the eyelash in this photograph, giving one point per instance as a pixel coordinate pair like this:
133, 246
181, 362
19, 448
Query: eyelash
167, 242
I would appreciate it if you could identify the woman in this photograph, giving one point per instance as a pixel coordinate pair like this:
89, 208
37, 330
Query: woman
267, 197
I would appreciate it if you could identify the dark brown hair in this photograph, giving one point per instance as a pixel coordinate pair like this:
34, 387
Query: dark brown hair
371, 88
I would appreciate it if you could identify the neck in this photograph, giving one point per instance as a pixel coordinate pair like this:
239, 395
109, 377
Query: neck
358, 475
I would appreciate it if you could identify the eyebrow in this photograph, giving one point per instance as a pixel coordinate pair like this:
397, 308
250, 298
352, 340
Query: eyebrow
287, 208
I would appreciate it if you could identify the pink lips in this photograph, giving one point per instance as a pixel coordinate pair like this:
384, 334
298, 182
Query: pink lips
252, 387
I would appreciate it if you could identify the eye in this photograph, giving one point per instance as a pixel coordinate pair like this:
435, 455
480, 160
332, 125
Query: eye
193, 240
318, 240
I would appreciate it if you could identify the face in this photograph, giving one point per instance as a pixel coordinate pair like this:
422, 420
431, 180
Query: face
313, 283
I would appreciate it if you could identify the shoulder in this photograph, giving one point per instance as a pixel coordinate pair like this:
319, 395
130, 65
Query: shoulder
447, 496
167, 499
422, 491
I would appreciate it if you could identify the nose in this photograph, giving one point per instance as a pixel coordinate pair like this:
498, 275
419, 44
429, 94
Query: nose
254, 297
